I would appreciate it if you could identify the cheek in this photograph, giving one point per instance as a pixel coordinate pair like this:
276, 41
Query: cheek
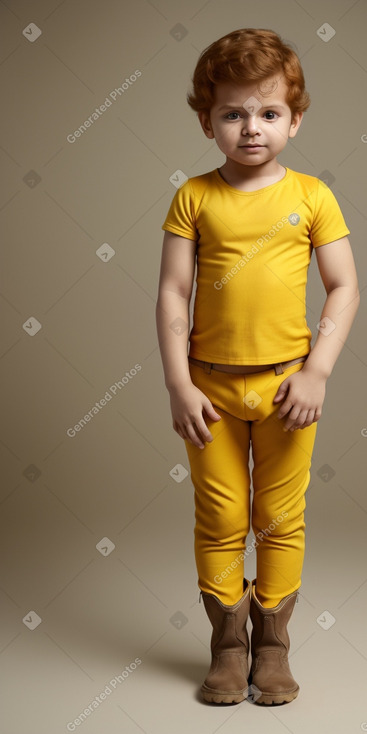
279, 132
224, 135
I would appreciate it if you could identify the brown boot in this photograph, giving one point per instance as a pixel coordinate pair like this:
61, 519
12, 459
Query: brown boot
226, 681
270, 675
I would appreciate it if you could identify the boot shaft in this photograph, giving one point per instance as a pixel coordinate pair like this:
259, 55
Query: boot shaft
270, 624
228, 622
227, 679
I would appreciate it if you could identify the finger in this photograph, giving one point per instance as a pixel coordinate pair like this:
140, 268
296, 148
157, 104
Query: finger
280, 393
292, 418
196, 437
191, 434
208, 407
286, 407
180, 432
202, 429
310, 418
299, 422
211, 412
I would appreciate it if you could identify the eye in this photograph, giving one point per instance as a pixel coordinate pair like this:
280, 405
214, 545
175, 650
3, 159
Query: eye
270, 112
227, 117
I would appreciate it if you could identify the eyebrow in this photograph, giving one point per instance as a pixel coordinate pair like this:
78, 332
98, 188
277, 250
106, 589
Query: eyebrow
240, 106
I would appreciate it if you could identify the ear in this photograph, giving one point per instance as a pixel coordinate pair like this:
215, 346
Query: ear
205, 123
295, 124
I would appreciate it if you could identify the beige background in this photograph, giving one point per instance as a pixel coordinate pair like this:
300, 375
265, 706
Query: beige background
61, 496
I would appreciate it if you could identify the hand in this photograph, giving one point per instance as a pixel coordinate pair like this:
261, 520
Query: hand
303, 394
187, 407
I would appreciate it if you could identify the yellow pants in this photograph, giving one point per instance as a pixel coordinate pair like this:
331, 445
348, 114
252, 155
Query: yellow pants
221, 478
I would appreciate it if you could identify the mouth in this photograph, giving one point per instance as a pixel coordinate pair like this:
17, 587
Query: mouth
251, 146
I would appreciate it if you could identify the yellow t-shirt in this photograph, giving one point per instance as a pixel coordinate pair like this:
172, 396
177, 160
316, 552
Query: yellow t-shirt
253, 251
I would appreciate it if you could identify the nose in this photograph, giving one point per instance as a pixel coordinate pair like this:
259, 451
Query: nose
250, 126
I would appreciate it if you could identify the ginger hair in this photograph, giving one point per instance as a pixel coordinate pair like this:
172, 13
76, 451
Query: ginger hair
246, 56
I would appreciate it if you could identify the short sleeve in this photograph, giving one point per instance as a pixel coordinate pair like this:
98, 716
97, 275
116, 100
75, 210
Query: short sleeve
181, 217
328, 222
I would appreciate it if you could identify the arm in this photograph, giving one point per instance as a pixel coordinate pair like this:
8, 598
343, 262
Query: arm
306, 389
172, 311
336, 266
172, 316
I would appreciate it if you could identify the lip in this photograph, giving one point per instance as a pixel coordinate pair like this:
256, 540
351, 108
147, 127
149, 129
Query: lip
251, 146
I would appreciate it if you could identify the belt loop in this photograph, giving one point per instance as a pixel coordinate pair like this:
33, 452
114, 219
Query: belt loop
278, 369
207, 367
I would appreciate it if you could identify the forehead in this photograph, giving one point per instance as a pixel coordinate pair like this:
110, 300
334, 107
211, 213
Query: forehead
267, 91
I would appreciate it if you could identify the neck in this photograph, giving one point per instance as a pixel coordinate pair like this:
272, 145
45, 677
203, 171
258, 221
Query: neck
251, 178
239, 173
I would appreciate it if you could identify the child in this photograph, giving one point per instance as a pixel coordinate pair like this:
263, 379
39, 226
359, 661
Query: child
250, 374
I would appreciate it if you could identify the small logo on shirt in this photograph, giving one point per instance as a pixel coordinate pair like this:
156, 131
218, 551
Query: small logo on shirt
294, 219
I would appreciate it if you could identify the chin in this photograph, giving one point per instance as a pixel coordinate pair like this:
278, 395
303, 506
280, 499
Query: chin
248, 163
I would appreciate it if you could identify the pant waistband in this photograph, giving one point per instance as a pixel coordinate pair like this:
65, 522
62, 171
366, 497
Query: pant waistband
278, 368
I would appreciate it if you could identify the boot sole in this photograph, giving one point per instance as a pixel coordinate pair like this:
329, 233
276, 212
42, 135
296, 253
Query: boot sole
212, 696
268, 699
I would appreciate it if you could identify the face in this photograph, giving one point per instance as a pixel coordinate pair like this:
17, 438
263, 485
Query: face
251, 123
